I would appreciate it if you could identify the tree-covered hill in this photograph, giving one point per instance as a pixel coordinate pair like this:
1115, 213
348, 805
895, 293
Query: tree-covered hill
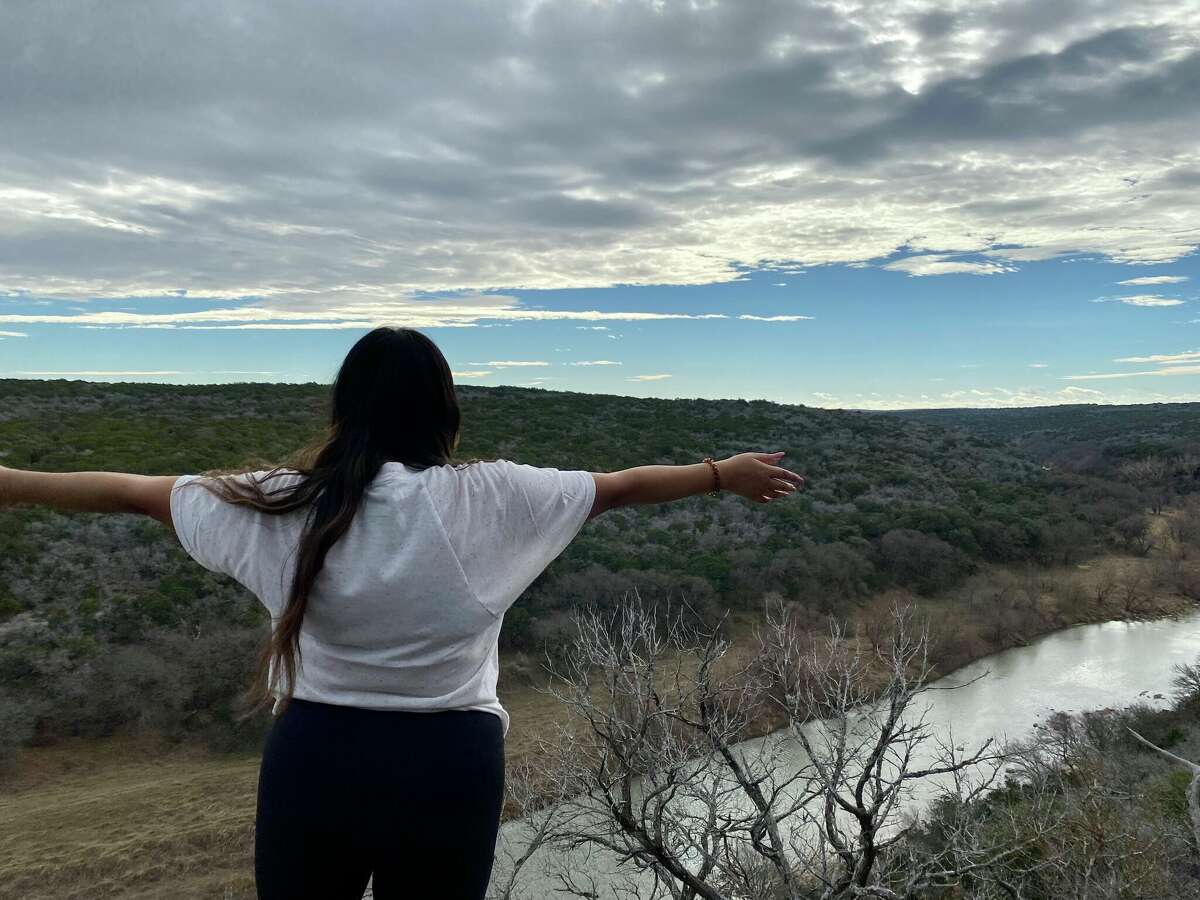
1079, 432
97, 612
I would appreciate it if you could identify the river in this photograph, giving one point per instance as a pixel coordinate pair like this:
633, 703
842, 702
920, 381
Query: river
1112, 664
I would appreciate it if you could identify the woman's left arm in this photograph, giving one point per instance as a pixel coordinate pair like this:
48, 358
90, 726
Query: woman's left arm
104, 492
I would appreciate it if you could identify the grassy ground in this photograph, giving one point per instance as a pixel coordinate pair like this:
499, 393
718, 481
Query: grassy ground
108, 818
128, 818
131, 818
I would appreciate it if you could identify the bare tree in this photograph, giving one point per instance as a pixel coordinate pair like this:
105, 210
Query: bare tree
648, 766
1135, 534
538, 812
1103, 844
1134, 594
656, 773
1151, 474
1186, 682
870, 750
1193, 793
1184, 527
1105, 585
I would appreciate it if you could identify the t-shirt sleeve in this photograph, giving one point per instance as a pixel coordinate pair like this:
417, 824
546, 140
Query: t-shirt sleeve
229, 539
559, 502
537, 513
202, 521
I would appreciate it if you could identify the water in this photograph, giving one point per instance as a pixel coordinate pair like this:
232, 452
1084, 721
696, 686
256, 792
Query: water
1113, 664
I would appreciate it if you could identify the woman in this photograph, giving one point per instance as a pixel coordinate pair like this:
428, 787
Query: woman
387, 570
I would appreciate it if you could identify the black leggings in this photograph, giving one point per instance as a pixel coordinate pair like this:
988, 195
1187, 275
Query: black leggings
345, 792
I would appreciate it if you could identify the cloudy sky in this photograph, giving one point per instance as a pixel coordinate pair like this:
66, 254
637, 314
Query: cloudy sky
861, 204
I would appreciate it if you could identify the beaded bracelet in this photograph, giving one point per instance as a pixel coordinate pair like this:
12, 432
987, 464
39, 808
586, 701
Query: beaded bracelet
716, 477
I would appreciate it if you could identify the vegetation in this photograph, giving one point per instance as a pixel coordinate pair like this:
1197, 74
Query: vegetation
657, 777
1122, 823
110, 638
1075, 434
651, 774
105, 624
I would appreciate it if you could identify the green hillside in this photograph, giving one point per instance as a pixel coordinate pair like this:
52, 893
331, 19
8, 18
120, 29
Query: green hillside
1089, 433
97, 614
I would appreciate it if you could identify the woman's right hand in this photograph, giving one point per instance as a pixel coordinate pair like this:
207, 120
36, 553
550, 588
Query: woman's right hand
756, 476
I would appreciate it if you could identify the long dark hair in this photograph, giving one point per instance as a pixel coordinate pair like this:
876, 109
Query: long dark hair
393, 400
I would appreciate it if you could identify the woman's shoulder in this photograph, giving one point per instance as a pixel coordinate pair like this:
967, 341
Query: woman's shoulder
221, 485
276, 477
509, 477
471, 476
447, 473
461, 467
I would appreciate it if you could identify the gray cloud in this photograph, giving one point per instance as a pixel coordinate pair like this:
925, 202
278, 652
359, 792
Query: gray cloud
323, 155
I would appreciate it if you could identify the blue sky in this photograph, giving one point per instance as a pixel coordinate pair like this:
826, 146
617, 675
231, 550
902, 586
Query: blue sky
894, 205
870, 337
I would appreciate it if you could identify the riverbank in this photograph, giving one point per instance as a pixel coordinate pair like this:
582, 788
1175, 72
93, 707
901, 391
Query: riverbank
1014, 694
1000, 608
127, 817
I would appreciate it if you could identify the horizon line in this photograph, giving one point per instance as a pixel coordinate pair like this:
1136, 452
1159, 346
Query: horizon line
491, 387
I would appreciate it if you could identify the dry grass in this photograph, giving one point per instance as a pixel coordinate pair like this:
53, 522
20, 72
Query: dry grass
124, 817
115, 827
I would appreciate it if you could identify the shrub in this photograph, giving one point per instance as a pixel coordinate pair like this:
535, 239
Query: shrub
925, 563
18, 719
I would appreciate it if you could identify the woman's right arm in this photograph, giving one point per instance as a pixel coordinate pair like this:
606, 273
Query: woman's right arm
102, 492
752, 475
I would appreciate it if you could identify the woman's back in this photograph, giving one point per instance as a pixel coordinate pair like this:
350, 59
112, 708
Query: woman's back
406, 611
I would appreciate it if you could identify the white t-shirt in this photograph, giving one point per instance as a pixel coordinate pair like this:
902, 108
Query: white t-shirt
406, 612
